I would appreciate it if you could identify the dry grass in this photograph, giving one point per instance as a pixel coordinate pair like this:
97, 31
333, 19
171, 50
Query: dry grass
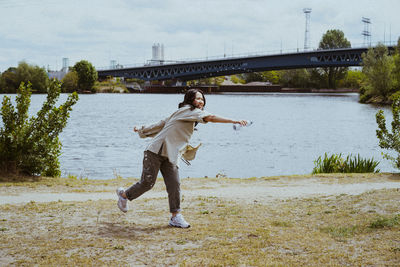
75, 184
337, 230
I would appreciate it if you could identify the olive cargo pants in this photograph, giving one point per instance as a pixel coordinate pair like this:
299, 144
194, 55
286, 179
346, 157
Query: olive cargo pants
152, 164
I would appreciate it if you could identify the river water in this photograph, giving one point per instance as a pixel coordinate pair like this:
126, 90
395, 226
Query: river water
288, 133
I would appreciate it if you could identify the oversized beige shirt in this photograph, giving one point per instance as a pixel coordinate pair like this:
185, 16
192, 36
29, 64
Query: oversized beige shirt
173, 133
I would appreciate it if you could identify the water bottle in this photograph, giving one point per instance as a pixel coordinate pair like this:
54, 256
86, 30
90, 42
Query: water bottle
238, 126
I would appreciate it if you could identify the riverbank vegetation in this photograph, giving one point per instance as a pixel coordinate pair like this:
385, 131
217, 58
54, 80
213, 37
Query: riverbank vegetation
390, 140
30, 145
81, 78
113, 85
335, 163
11, 79
381, 75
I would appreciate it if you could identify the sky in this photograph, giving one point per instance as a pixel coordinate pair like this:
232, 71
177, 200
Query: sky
43, 32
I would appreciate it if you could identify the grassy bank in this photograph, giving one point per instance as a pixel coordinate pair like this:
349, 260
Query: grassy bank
327, 230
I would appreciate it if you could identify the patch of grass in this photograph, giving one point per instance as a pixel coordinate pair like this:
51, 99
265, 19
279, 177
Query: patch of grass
282, 224
341, 231
385, 222
119, 247
352, 164
181, 242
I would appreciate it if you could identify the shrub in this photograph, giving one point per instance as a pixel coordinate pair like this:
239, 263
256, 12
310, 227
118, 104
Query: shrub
70, 82
387, 140
357, 164
352, 164
329, 164
31, 145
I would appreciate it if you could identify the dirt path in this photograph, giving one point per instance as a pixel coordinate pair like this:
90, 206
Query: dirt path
258, 190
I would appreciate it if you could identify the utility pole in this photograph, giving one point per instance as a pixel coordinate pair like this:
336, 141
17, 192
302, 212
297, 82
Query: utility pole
366, 33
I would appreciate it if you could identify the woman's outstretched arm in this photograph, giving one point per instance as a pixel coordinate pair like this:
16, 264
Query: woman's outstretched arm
218, 119
151, 130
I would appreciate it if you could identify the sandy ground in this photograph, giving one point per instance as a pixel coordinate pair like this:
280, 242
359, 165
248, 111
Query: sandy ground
331, 220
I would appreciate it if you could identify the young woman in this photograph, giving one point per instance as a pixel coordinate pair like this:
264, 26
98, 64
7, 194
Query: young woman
170, 136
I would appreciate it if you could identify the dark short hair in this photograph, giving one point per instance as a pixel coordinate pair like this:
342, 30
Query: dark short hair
190, 96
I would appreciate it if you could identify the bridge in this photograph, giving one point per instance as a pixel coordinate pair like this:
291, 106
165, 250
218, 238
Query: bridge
190, 70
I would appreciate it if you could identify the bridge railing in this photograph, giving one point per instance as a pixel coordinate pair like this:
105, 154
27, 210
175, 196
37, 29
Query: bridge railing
239, 55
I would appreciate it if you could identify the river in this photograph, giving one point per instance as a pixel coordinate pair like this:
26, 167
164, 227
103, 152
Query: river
288, 133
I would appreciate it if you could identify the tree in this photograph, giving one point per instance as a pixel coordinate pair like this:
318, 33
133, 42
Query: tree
31, 145
387, 140
87, 76
377, 68
396, 70
252, 77
297, 78
271, 76
333, 39
70, 82
9, 81
35, 75
13, 77
237, 79
353, 79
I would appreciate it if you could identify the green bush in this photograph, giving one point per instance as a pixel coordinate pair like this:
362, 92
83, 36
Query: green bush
387, 140
31, 146
70, 82
352, 164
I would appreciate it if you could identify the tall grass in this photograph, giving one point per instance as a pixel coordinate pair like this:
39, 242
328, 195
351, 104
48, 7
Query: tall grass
352, 164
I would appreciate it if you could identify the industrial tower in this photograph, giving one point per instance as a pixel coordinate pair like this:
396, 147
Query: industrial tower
366, 33
307, 40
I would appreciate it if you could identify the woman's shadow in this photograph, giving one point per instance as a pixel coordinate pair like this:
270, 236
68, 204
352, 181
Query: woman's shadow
116, 229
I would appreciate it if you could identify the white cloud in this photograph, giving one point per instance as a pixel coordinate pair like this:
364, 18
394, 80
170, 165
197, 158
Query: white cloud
42, 32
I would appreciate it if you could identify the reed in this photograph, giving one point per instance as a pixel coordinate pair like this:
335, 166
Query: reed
335, 163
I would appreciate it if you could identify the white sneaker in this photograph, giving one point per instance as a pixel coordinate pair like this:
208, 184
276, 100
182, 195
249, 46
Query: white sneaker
122, 202
178, 221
